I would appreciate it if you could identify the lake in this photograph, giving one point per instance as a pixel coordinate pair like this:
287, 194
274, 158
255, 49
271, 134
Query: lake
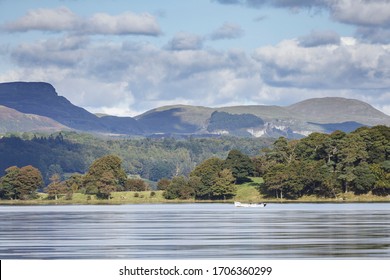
196, 231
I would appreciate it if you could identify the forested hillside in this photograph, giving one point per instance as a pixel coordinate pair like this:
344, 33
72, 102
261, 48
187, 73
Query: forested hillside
152, 159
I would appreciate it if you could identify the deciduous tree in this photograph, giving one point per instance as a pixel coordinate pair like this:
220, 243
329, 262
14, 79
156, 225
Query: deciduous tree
105, 175
135, 184
21, 183
240, 165
224, 187
56, 187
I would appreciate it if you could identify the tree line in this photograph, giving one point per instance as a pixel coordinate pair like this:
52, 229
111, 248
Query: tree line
104, 176
212, 179
324, 165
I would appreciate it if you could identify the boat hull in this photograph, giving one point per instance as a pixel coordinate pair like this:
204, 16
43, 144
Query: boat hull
249, 205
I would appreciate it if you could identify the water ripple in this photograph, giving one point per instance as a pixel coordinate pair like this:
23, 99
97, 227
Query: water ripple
201, 231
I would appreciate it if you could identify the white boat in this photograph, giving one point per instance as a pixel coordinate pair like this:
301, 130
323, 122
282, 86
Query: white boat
239, 204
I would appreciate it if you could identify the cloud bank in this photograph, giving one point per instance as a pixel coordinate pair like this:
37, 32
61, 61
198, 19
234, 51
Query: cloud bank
129, 77
366, 15
63, 19
143, 75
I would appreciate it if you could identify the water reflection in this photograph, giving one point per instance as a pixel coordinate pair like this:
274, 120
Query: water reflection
182, 231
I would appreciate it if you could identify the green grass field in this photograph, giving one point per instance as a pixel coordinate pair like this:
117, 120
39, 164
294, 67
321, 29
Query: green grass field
246, 192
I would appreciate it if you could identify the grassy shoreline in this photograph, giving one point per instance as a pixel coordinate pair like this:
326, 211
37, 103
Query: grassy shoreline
245, 193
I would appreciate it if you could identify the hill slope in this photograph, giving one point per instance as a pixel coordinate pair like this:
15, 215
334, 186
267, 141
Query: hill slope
12, 120
175, 119
338, 110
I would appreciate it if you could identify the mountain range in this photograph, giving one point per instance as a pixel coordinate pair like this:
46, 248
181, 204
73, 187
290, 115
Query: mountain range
36, 106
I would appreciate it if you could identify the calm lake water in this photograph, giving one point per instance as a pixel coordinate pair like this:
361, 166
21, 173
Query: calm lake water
196, 231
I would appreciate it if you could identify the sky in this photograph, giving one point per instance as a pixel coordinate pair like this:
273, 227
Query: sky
125, 57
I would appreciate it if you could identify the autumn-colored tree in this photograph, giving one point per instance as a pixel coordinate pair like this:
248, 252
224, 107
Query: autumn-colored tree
163, 184
134, 184
21, 183
56, 187
75, 182
104, 175
106, 185
31, 180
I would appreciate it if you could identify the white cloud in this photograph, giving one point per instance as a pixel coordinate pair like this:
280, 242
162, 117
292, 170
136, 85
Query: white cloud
64, 20
124, 24
227, 31
107, 75
361, 12
350, 65
60, 52
55, 20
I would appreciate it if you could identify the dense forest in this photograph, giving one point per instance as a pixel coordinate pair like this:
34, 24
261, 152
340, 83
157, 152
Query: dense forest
323, 165
152, 159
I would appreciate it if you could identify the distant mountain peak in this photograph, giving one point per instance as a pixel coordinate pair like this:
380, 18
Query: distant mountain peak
27, 89
337, 110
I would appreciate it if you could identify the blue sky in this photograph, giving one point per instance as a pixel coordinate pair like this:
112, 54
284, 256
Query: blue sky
125, 57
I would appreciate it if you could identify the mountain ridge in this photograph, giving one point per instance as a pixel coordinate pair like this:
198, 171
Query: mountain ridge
279, 120
294, 121
42, 99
